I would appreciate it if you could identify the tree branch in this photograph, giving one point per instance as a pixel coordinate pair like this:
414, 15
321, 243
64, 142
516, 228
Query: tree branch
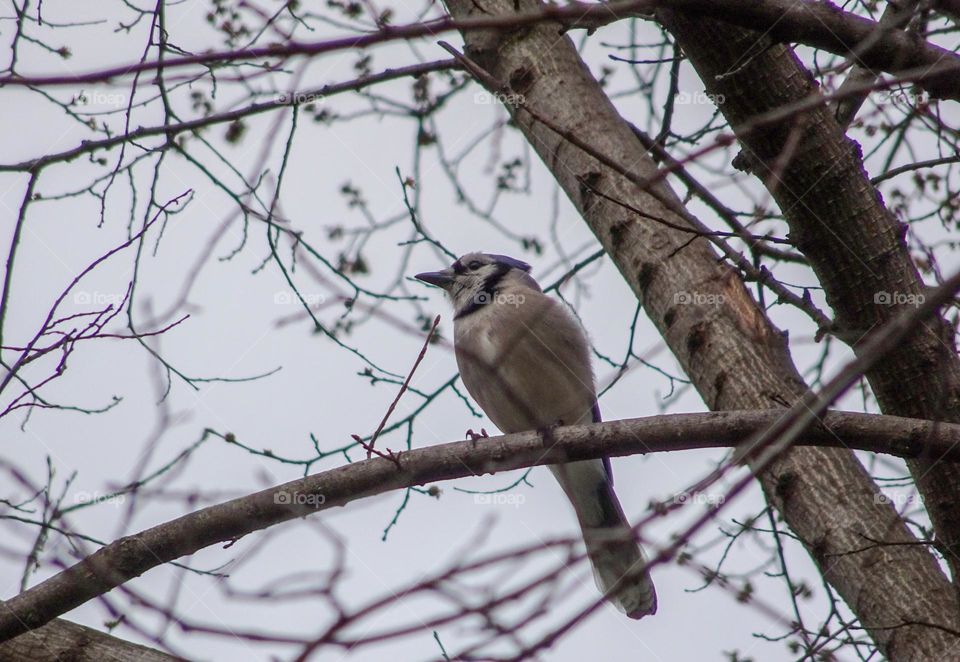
133, 555
283, 100
816, 24
838, 220
62, 640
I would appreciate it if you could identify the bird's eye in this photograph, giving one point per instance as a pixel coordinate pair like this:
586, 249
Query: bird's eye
475, 264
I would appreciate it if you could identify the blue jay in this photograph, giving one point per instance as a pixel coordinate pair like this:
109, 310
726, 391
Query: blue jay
526, 360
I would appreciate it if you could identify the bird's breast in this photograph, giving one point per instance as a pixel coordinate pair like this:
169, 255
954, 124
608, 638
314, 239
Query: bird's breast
526, 368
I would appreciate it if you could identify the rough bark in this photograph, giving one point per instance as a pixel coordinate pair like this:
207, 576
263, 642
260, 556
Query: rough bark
733, 354
61, 640
838, 221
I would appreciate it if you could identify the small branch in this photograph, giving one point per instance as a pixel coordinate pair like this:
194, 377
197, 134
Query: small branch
574, 269
283, 100
915, 166
393, 405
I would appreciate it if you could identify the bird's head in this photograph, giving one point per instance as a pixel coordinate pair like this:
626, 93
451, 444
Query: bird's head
474, 279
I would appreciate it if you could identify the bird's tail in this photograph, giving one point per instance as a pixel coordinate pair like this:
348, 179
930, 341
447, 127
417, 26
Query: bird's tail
618, 560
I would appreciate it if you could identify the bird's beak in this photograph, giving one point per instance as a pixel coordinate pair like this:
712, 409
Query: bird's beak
438, 278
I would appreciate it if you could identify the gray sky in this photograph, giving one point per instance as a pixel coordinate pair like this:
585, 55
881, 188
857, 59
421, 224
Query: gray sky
233, 332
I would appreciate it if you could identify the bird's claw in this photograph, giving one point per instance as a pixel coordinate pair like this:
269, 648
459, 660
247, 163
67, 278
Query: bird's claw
547, 430
473, 436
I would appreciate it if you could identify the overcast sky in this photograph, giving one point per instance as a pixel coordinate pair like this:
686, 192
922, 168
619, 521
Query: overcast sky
243, 323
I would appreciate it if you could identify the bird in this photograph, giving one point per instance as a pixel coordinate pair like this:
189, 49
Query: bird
525, 359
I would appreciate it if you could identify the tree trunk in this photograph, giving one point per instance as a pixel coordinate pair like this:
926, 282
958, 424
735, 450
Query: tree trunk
61, 640
853, 243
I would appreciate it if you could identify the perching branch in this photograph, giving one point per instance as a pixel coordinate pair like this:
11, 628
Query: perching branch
133, 555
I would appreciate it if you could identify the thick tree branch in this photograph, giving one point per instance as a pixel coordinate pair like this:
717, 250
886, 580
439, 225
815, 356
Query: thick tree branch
895, 15
61, 640
816, 24
133, 555
837, 219
824, 25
